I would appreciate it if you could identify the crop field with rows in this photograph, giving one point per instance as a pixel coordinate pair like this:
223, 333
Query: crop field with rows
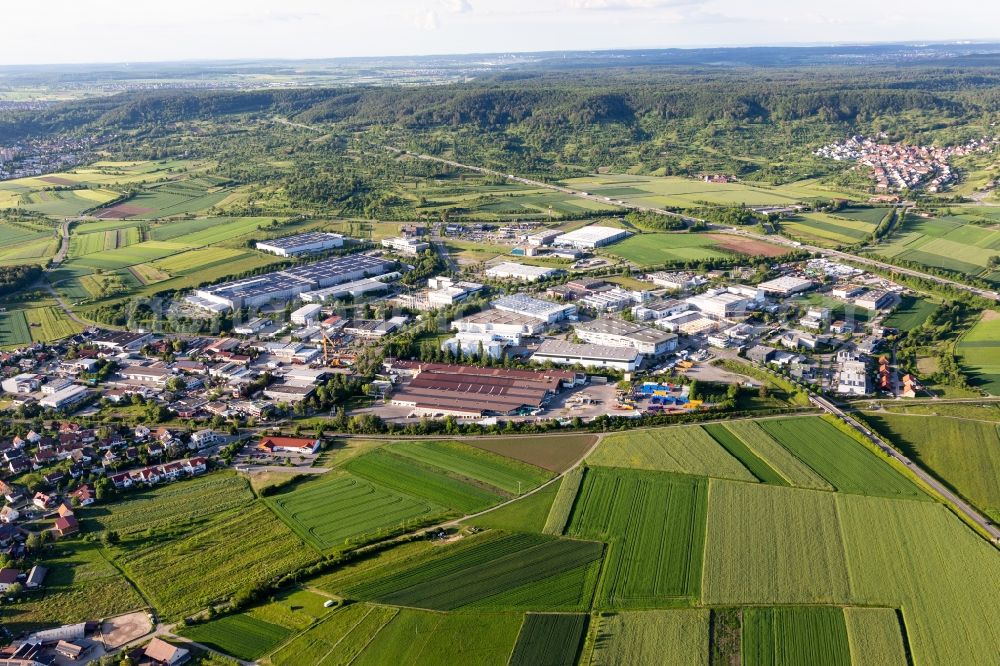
332, 512
508, 475
686, 449
776, 456
185, 503
551, 638
640, 638
655, 526
492, 567
792, 636
242, 636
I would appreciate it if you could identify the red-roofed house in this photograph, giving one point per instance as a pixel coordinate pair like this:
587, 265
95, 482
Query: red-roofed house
66, 525
299, 445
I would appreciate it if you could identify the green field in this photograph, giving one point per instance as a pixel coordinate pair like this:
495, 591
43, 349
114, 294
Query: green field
226, 556
771, 545
81, 585
554, 453
917, 557
528, 514
467, 462
776, 456
735, 446
794, 636
874, 636
652, 638
50, 323
685, 449
912, 312
242, 636
655, 526
948, 243
964, 454
832, 229
562, 505
495, 572
365, 635
839, 458
425, 481
654, 249
14, 329
550, 639
979, 353
293, 609
182, 504
690, 192
334, 511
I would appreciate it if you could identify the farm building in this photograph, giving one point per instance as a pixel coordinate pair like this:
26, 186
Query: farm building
291, 246
301, 445
589, 356
591, 236
617, 333
468, 391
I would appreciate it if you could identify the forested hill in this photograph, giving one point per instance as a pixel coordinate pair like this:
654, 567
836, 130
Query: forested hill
575, 97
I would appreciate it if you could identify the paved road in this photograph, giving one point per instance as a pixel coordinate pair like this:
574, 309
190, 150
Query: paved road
957, 503
780, 240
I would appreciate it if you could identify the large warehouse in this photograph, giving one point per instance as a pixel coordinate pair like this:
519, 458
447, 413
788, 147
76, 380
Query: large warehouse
545, 311
525, 273
471, 392
290, 246
590, 237
588, 356
617, 333
286, 284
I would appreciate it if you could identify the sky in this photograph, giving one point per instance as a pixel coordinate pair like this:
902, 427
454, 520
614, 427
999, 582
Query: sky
86, 31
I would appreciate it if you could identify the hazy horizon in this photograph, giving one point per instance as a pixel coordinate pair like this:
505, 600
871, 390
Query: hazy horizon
61, 32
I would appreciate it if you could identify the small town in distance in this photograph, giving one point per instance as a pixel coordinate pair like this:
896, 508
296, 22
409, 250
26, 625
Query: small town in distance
502, 360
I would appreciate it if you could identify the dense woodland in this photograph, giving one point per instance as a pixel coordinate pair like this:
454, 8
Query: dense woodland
755, 122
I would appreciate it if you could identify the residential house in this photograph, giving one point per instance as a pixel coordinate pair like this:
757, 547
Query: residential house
298, 445
162, 653
66, 526
35, 577
206, 437
9, 515
8, 577
42, 501
84, 495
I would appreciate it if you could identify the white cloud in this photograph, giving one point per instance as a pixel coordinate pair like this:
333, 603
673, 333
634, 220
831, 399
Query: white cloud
627, 5
426, 19
458, 6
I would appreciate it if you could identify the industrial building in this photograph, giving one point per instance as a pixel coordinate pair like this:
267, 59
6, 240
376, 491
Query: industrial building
513, 271
545, 311
355, 289
291, 246
22, 383
444, 291
252, 327
874, 300
509, 326
611, 300
120, 341
588, 356
659, 309
471, 392
410, 246
286, 284
65, 398
485, 345
786, 285
718, 303
616, 333
591, 236
676, 281
307, 314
